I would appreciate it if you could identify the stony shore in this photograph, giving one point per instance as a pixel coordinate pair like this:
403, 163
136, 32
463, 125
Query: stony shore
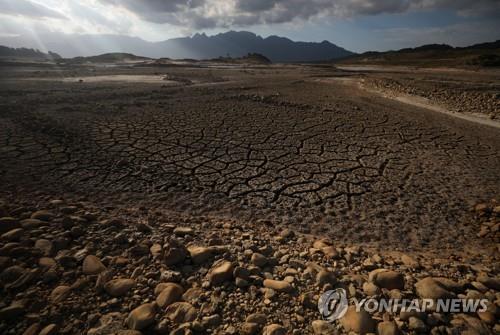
458, 100
74, 267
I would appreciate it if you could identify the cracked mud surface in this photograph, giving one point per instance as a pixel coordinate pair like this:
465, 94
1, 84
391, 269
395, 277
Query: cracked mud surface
262, 143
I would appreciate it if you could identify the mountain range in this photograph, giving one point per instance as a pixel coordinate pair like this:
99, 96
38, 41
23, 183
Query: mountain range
24, 53
198, 46
432, 55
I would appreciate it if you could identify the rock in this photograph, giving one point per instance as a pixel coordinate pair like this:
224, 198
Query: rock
92, 265
181, 312
212, 321
241, 283
220, 272
29, 224
360, 322
248, 328
13, 235
45, 246
156, 250
240, 272
428, 288
192, 294
278, 285
42, 215
387, 328
406, 315
308, 300
49, 330
175, 253
492, 283
13, 311
370, 289
171, 293
119, 287
183, 231
77, 232
34, 329
387, 279
449, 284
417, 325
111, 323
258, 318
68, 210
143, 228
325, 277
322, 327
410, 262
274, 329
46, 262
12, 273
330, 252
473, 325
141, 317
323, 243
259, 260
200, 255
59, 294
8, 223
489, 316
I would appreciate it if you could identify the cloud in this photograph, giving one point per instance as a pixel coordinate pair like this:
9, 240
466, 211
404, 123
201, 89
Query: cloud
28, 8
199, 14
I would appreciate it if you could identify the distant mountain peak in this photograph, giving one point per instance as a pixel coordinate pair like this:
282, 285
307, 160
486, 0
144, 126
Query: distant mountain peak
198, 46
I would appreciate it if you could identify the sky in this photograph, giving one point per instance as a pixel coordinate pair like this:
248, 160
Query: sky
357, 25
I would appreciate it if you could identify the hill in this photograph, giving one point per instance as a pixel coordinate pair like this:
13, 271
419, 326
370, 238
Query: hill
251, 58
116, 57
484, 54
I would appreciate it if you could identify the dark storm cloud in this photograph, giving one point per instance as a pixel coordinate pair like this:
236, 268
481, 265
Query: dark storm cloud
159, 11
27, 8
222, 13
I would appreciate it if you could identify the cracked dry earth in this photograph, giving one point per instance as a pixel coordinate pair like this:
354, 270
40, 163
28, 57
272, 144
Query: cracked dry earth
268, 143
231, 177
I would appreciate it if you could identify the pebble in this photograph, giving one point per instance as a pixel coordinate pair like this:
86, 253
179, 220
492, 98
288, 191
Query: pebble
274, 329
259, 260
49, 330
92, 265
200, 255
141, 317
60, 293
119, 287
278, 285
183, 231
43, 215
13, 235
387, 328
417, 325
360, 322
322, 327
220, 272
428, 288
387, 279
181, 312
12, 311
170, 293
8, 223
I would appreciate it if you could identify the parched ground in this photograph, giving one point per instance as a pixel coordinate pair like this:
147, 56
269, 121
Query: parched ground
276, 143
253, 160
